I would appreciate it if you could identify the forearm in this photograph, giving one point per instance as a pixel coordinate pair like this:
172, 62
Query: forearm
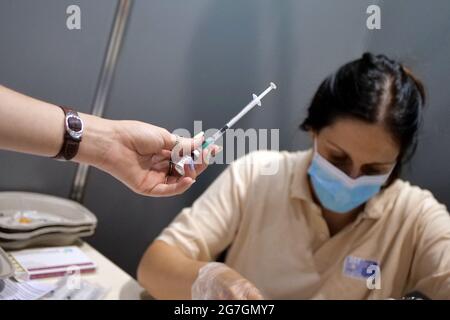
32, 126
167, 273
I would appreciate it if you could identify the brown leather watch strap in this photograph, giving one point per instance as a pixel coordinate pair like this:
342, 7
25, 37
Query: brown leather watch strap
70, 146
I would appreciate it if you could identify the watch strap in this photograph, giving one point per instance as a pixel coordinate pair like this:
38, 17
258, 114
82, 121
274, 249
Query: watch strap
70, 146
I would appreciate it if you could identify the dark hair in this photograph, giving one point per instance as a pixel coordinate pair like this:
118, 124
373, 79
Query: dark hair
374, 89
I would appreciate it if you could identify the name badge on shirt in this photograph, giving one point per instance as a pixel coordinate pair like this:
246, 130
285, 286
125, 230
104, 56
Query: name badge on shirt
359, 268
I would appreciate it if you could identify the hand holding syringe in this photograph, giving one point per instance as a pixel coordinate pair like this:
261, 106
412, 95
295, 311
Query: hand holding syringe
179, 166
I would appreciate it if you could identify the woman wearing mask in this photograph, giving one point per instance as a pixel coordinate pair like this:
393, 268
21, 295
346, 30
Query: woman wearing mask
334, 222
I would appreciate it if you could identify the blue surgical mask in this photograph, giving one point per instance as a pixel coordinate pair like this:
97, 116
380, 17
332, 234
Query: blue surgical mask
338, 192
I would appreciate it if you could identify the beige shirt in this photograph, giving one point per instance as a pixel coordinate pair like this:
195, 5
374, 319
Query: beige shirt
277, 238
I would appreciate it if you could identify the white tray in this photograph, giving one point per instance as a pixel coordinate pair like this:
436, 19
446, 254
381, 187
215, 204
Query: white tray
27, 212
41, 231
53, 239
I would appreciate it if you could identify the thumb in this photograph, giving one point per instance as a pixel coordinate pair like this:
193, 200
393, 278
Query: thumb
252, 293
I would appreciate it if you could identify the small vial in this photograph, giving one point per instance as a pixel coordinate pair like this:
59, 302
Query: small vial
179, 166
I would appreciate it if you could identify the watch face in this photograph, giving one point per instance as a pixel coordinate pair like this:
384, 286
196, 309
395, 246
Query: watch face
74, 126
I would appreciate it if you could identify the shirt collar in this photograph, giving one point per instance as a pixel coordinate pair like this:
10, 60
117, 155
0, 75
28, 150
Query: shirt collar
299, 183
382, 202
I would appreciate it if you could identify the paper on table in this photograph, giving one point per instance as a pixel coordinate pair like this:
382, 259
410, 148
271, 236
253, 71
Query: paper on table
71, 287
53, 261
31, 290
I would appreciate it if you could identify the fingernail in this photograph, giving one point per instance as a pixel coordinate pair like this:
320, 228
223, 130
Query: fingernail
215, 150
198, 135
208, 158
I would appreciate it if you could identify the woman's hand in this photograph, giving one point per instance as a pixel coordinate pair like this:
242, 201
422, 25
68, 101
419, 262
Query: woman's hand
217, 281
134, 152
138, 154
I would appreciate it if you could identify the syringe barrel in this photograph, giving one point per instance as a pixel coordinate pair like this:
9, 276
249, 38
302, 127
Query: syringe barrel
207, 142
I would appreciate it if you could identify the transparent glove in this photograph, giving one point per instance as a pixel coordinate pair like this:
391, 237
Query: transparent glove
217, 281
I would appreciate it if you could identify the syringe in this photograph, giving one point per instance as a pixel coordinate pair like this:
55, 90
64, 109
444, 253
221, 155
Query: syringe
179, 166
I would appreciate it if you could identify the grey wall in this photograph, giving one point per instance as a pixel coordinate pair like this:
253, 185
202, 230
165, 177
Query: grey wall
40, 57
200, 60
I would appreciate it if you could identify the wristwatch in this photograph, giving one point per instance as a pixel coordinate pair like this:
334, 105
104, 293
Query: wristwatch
73, 133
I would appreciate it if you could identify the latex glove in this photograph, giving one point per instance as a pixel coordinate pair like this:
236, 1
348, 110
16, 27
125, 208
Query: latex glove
217, 281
